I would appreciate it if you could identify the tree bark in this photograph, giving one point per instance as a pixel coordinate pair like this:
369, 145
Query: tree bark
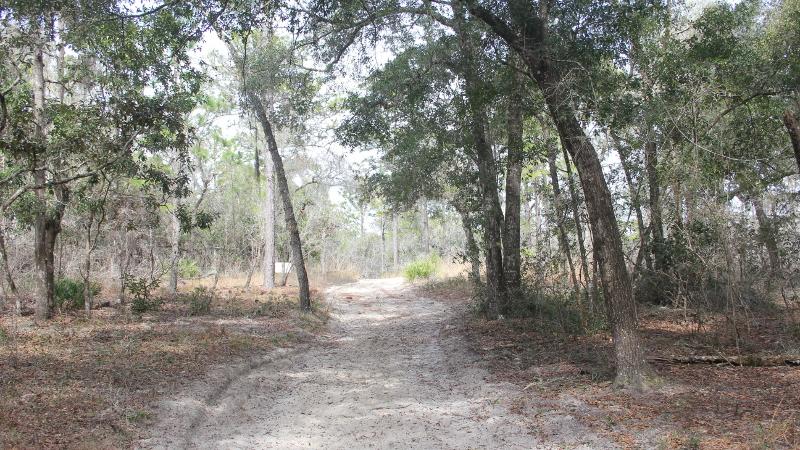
793, 128
496, 288
12, 286
288, 209
383, 245
632, 368
175, 246
471, 249
559, 207
766, 232
395, 249
511, 224
656, 224
588, 294
636, 204
47, 224
268, 266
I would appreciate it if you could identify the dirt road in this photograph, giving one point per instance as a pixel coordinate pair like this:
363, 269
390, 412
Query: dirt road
391, 374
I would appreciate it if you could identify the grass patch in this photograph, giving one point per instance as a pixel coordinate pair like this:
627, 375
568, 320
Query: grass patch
422, 269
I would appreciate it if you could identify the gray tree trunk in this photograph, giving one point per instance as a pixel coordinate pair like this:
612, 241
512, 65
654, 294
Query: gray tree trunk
395, 249
288, 209
268, 265
175, 245
511, 225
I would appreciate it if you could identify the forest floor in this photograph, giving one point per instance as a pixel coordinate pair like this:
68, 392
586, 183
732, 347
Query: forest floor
699, 406
74, 382
397, 365
393, 371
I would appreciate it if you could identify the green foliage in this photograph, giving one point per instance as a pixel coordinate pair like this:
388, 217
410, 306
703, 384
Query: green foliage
422, 269
188, 268
142, 289
69, 293
200, 300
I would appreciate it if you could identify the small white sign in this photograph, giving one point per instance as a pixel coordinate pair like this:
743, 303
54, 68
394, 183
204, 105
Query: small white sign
282, 267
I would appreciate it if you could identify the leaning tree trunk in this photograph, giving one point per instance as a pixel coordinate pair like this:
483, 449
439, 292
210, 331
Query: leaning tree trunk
511, 224
269, 227
632, 368
793, 128
288, 209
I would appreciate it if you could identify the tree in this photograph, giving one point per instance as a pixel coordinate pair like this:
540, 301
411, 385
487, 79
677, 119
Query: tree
277, 92
529, 36
121, 92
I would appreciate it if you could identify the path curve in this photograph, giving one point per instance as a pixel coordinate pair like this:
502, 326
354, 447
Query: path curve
392, 373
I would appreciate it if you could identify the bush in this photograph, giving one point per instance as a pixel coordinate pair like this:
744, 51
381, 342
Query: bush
422, 269
200, 300
188, 268
69, 293
141, 290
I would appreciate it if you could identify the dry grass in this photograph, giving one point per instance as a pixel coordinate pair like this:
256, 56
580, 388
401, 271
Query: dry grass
76, 382
699, 406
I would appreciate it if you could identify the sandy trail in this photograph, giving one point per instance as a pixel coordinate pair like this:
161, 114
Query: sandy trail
389, 375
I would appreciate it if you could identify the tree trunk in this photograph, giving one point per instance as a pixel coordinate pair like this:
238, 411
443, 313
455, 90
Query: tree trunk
511, 225
47, 223
636, 204
87, 268
656, 224
175, 245
288, 209
12, 287
426, 232
793, 128
766, 232
632, 368
588, 294
471, 249
268, 266
496, 288
559, 207
383, 245
395, 249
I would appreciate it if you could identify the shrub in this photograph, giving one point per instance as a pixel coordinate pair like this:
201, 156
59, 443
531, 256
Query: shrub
69, 293
187, 268
141, 291
200, 300
422, 269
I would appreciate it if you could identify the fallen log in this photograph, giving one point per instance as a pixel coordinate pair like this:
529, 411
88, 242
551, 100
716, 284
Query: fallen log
743, 361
